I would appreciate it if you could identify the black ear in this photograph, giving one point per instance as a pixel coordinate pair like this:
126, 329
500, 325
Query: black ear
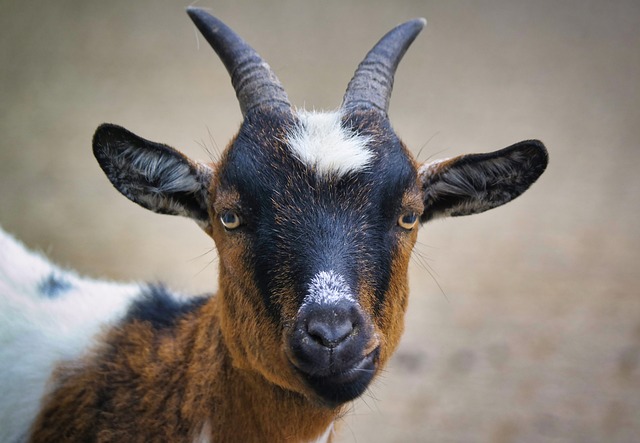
471, 184
155, 176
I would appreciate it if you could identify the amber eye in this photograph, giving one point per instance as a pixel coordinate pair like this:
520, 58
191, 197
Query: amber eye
230, 220
408, 221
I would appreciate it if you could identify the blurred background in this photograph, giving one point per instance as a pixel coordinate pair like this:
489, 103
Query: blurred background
524, 322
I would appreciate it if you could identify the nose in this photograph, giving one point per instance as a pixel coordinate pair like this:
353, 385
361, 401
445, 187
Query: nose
329, 338
334, 349
329, 326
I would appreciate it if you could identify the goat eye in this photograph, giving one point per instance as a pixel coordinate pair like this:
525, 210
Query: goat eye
408, 221
230, 220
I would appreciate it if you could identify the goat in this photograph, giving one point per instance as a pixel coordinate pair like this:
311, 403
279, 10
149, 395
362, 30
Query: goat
314, 216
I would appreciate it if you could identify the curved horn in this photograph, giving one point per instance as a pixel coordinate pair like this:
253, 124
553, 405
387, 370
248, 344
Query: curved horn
251, 77
372, 82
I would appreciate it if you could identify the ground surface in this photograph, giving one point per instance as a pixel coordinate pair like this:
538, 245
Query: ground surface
535, 334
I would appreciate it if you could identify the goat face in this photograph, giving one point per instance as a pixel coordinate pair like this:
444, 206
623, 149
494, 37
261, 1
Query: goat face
314, 216
323, 246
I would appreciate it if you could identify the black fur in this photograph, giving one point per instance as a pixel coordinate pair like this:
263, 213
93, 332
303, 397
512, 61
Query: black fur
54, 286
475, 183
125, 158
159, 307
346, 224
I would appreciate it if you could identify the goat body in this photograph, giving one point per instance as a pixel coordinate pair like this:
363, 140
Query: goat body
314, 216
159, 370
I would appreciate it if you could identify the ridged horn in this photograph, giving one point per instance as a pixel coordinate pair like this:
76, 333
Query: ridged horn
372, 82
252, 78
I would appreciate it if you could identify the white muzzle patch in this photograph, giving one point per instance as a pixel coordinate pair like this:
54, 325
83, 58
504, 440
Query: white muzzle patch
327, 287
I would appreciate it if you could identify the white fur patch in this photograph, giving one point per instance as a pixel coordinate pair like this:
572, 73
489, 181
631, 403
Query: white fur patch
327, 288
205, 433
428, 169
326, 436
37, 333
320, 142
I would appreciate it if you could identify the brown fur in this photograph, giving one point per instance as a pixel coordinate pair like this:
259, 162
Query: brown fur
224, 372
389, 323
223, 368
171, 384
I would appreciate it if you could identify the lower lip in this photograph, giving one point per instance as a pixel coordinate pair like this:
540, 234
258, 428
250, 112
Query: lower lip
366, 364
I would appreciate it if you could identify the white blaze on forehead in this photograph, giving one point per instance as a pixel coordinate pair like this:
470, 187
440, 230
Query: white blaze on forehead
320, 142
328, 287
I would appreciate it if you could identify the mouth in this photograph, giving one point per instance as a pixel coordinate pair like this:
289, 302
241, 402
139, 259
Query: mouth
338, 387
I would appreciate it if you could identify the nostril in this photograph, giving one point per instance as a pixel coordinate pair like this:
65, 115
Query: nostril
329, 333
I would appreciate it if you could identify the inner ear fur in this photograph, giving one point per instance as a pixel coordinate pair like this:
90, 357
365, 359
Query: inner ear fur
153, 175
471, 184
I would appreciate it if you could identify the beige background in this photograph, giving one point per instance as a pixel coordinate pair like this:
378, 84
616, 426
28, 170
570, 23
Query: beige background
524, 323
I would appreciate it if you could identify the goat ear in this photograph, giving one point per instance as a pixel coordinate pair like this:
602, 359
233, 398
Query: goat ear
155, 176
470, 184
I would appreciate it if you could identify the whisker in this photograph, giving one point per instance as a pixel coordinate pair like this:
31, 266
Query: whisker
438, 284
207, 252
425, 145
418, 242
418, 257
214, 144
363, 398
425, 261
347, 411
424, 257
210, 148
434, 154
373, 396
215, 259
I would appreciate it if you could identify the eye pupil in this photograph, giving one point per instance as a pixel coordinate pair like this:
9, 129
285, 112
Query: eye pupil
408, 221
230, 220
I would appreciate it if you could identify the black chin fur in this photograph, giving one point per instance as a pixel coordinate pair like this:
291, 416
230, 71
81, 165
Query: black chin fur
335, 390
